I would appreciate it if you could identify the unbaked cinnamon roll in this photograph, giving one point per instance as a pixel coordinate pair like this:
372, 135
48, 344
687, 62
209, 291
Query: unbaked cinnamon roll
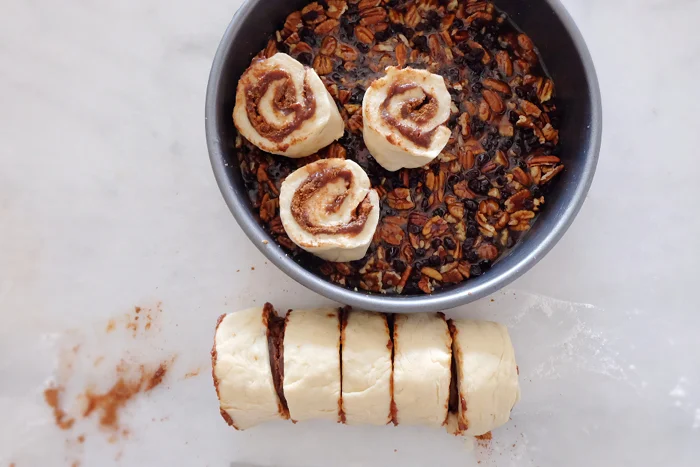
487, 376
404, 115
282, 107
328, 208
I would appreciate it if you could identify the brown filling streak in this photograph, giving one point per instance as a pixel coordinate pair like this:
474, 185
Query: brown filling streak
275, 343
390, 320
315, 182
420, 111
343, 317
284, 102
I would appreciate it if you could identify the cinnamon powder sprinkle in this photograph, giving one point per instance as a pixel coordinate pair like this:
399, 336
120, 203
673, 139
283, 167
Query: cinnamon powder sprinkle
110, 403
52, 395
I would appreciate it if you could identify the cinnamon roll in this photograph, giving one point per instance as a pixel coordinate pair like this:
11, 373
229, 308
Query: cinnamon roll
487, 376
328, 208
311, 381
282, 107
422, 360
404, 116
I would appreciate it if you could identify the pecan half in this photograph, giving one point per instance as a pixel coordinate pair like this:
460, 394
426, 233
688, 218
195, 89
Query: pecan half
326, 27
400, 198
520, 221
323, 65
328, 45
364, 34
336, 8
435, 227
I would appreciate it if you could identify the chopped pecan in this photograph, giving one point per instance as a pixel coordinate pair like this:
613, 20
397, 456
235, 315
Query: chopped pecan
276, 225
543, 160
452, 276
551, 174
517, 201
286, 242
313, 14
464, 269
493, 100
372, 16
436, 51
525, 42
417, 218
520, 175
432, 273
326, 269
484, 111
326, 27
372, 281
496, 85
367, 4
328, 45
454, 207
342, 268
336, 8
347, 52
301, 47
364, 34
268, 207
487, 251
544, 93
505, 65
354, 123
550, 134
293, 22
462, 190
401, 54
530, 108
425, 285
435, 227
336, 151
520, 220
400, 198
271, 48
412, 16
323, 65
479, 15
390, 233
391, 278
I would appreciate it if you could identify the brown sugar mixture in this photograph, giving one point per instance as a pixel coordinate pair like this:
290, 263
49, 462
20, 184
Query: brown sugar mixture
450, 221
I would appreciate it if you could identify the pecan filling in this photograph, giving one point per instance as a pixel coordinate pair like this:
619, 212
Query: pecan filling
284, 102
418, 110
306, 195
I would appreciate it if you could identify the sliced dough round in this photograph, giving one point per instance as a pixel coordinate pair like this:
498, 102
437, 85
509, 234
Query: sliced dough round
422, 359
311, 381
366, 355
329, 209
404, 116
282, 107
487, 375
241, 369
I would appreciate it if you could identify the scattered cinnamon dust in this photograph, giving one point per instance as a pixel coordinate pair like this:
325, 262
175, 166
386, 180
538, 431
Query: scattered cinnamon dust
52, 395
193, 373
110, 403
81, 439
157, 377
484, 440
111, 326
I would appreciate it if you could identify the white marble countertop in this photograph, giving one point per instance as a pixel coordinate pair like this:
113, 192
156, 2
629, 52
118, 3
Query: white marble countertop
107, 202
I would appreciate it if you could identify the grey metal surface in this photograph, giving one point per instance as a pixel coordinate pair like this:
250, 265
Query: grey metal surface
568, 61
